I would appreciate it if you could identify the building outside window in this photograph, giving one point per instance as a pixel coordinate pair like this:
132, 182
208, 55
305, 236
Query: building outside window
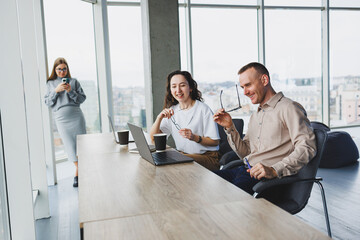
126, 52
344, 67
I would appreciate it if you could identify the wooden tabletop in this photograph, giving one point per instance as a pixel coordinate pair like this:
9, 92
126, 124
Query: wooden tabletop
122, 184
123, 196
250, 219
97, 143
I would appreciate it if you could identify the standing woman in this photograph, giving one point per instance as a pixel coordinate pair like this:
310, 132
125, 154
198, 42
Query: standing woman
65, 98
189, 121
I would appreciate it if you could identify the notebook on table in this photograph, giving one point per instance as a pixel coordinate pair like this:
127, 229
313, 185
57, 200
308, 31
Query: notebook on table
155, 158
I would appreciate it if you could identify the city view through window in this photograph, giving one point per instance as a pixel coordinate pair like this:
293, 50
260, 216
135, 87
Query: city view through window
293, 55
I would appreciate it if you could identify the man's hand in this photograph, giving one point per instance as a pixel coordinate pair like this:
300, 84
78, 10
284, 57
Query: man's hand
260, 171
223, 118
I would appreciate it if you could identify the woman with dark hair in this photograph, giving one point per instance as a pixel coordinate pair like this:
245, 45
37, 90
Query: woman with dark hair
64, 95
188, 120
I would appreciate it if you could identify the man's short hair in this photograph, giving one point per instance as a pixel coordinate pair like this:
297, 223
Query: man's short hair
259, 68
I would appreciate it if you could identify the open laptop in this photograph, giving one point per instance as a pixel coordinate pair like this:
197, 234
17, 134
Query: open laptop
156, 158
113, 130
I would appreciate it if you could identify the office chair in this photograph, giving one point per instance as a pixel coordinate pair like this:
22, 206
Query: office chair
226, 152
291, 193
319, 125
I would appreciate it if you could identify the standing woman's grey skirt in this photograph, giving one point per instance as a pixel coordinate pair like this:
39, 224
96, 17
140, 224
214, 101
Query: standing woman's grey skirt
70, 122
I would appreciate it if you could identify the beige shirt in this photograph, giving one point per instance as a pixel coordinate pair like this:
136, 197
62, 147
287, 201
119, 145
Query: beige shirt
279, 135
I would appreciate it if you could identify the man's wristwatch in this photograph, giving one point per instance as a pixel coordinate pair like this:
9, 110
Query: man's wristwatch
200, 139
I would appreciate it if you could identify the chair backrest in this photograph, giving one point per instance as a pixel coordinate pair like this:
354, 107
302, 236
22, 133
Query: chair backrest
224, 146
319, 125
294, 197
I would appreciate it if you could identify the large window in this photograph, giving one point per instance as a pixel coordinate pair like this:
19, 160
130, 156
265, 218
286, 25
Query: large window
344, 68
127, 70
70, 34
293, 56
228, 34
219, 52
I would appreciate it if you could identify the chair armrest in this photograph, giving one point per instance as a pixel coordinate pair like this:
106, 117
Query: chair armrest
269, 183
228, 157
233, 164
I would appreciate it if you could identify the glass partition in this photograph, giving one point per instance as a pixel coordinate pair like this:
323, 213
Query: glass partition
70, 34
344, 68
219, 52
127, 66
293, 56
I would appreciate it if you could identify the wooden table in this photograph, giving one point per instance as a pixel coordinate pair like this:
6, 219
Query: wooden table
122, 196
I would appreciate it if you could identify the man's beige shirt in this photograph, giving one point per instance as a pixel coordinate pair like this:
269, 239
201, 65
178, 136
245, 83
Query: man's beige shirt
279, 135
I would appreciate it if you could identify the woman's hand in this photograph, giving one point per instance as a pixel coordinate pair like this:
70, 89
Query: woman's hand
186, 133
223, 118
166, 112
67, 87
62, 87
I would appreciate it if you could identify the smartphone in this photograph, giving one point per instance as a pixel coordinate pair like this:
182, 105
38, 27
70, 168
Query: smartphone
66, 80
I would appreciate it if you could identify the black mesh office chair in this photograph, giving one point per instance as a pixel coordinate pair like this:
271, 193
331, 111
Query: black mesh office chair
292, 193
227, 154
319, 125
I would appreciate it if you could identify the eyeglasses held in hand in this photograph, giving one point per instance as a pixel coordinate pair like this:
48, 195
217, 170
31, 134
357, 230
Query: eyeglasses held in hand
174, 122
62, 69
238, 107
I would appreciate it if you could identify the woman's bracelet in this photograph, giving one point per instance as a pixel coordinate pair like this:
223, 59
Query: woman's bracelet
200, 139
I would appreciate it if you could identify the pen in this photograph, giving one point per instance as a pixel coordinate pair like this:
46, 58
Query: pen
247, 162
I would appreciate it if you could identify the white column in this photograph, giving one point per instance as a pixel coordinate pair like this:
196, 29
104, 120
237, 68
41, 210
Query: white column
15, 128
103, 62
33, 103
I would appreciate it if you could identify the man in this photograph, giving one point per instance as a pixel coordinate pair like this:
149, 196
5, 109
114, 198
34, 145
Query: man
279, 140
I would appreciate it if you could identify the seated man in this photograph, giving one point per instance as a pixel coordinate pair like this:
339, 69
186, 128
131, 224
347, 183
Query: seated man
279, 140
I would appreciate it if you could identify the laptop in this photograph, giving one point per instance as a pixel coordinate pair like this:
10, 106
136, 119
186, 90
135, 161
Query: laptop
115, 135
156, 158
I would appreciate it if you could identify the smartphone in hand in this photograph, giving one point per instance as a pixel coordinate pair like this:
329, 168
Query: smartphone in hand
66, 80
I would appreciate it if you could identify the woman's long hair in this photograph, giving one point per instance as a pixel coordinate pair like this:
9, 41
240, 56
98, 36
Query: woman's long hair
57, 62
195, 94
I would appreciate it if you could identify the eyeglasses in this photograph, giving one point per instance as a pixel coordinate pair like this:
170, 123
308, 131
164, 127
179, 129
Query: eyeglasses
174, 122
62, 69
238, 107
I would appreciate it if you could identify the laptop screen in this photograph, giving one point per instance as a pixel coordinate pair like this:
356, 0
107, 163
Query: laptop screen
141, 142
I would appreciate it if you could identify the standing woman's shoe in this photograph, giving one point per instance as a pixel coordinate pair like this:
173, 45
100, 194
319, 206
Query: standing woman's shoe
75, 182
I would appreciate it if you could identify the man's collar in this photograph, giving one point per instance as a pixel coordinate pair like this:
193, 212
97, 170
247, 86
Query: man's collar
272, 101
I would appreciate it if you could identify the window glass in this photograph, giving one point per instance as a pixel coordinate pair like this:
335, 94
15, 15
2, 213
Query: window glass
127, 68
183, 37
232, 2
304, 3
219, 52
293, 56
344, 3
64, 39
134, 1
344, 68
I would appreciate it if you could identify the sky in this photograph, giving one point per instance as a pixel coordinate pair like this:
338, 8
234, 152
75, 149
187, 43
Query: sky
293, 41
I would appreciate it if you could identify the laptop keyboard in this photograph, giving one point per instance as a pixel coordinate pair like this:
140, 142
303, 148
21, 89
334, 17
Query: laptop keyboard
160, 156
